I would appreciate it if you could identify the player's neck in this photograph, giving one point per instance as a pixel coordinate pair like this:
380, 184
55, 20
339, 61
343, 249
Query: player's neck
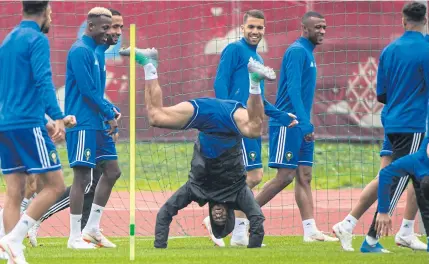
416, 28
37, 19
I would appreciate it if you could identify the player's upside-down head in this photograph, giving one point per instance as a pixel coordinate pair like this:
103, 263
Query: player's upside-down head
222, 219
219, 213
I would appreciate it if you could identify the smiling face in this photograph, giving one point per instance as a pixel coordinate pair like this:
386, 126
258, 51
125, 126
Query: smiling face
314, 29
253, 30
98, 27
115, 30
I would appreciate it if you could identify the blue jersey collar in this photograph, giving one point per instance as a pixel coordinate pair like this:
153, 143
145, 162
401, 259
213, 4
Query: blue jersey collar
307, 43
253, 47
89, 41
413, 34
30, 24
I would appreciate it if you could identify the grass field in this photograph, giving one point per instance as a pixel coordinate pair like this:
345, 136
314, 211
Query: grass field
165, 166
200, 250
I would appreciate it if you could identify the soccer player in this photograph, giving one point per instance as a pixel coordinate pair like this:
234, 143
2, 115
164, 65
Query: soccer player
217, 174
417, 166
89, 142
291, 149
113, 35
402, 78
26, 90
405, 236
232, 82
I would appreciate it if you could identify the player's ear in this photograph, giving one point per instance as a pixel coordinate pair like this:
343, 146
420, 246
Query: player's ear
404, 23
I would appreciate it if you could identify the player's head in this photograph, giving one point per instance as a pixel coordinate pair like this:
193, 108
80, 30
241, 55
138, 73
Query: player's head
413, 15
39, 11
424, 186
313, 27
115, 30
98, 24
253, 27
222, 219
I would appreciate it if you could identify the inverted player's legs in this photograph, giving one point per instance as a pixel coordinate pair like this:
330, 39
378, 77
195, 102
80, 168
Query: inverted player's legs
179, 200
247, 203
283, 178
15, 184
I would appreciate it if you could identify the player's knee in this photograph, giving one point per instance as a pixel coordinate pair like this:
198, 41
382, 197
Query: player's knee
114, 175
285, 177
305, 177
254, 177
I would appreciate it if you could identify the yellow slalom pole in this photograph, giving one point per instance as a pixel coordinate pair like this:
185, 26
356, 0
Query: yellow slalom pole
132, 140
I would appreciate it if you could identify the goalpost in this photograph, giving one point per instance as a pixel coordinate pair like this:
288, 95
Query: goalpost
190, 36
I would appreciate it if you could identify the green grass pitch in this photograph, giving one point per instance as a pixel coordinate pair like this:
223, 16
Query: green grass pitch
201, 251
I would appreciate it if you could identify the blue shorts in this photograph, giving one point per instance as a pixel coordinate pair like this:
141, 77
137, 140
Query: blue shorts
87, 147
386, 149
288, 148
214, 116
28, 150
416, 164
252, 153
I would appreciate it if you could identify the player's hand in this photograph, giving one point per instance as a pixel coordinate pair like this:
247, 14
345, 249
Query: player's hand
70, 121
118, 115
50, 127
113, 126
294, 121
115, 137
59, 132
309, 137
383, 224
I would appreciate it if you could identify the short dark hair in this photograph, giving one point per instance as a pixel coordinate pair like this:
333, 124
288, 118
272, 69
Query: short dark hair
114, 12
253, 13
310, 14
34, 7
414, 12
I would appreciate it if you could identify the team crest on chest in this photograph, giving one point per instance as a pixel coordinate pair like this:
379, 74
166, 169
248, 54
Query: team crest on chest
87, 154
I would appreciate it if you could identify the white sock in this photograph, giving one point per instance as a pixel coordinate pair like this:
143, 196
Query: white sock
371, 241
407, 227
255, 86
75, 226
240, 226
309, 226
19, 232
94, 217
150, 72
349, 223
24, 204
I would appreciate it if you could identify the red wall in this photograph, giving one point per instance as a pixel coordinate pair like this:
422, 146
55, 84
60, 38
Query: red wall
187, 34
